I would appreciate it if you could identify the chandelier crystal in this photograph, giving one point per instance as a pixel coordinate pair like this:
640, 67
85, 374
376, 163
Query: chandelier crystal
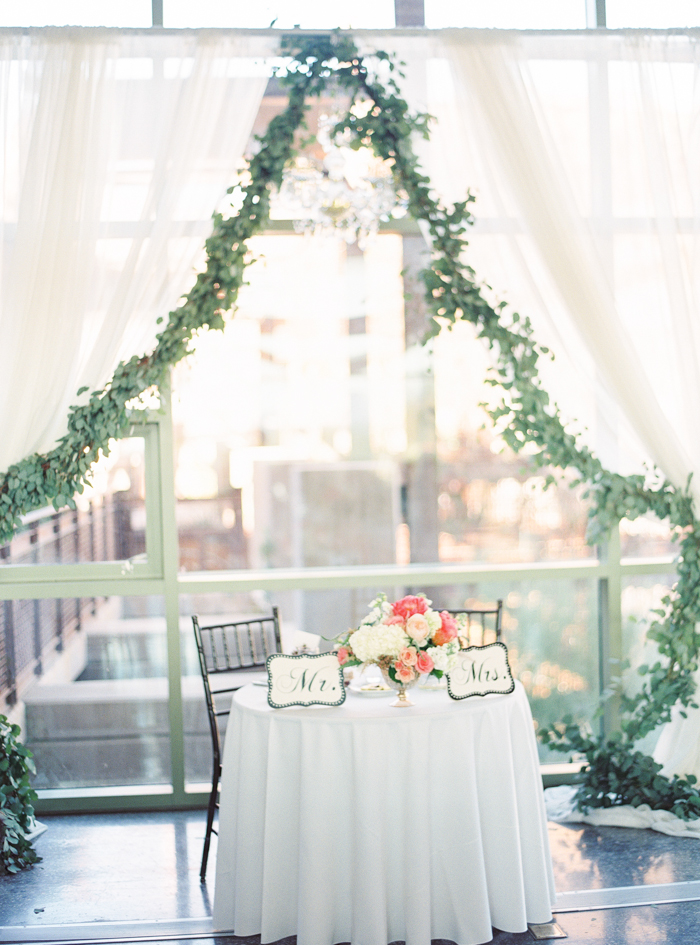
347, 192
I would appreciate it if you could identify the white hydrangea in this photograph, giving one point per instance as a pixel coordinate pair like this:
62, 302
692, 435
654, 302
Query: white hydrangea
444, 657
434, 620
370, 643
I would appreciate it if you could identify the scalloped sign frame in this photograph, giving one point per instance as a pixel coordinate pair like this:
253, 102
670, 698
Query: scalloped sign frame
304, 680
481, 671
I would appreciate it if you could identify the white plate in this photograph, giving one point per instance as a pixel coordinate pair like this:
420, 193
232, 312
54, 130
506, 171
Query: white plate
372, 693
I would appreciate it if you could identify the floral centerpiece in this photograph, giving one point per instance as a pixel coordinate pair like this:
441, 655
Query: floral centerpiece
405, 640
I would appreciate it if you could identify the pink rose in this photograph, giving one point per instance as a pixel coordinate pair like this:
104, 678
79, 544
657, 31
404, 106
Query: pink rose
409, 656
404, 673
343, 655
408, 606
390, 621
447, 631
418, 628
424, 663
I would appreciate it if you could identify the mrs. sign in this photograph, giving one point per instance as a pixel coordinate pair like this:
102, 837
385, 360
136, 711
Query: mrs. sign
304, 680
480, 671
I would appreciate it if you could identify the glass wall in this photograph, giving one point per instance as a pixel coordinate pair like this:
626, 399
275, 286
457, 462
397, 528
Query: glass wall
641, 596
360, 14
77, 13
306, 14
550, 629
646, 537
506, 14
327, 612
650, 14
98, 714
317, 432
314, 437
107, 524
294, 420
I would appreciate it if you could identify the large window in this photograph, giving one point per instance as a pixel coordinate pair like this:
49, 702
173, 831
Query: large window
358, 14
315, 452
314, 433
506, 14
99, 715
107, 524
77, 13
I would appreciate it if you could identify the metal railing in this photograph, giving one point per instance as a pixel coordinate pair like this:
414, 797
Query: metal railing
33, 631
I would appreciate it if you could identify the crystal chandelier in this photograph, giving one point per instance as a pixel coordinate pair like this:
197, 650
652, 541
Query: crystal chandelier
349, 192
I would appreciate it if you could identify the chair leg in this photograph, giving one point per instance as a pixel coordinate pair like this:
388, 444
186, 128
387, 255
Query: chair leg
211, 810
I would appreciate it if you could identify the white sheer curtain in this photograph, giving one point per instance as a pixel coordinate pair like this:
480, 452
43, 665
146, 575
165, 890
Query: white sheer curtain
116, 150
583, 152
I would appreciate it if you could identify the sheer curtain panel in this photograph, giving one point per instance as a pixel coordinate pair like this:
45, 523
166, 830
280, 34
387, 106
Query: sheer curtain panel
117, 147
582, 151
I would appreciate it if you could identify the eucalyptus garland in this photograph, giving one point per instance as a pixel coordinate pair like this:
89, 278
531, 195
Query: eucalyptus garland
616, 773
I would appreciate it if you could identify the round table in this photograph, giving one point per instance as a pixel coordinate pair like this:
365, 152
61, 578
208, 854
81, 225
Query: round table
369, 824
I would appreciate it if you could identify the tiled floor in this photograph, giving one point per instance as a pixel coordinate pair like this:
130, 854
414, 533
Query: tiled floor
125, 876
112, 868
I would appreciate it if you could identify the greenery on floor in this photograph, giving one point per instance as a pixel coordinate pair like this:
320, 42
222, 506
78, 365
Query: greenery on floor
16, 801
379, 118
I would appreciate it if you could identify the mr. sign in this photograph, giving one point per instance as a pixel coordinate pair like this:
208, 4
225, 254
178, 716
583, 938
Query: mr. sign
304, 680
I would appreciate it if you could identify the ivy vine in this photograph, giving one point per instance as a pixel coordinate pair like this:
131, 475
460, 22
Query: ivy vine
17, 800
616, 773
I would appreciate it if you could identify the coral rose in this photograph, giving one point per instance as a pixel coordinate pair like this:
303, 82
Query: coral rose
418, 628
343, 654
446, 631
410, 605
403, 672
424, 664
409, 656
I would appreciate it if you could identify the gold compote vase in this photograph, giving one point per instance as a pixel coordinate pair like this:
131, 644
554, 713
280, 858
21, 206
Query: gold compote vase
402, 701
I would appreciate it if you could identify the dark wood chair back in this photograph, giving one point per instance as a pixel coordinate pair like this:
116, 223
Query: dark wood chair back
480, 625
228, 652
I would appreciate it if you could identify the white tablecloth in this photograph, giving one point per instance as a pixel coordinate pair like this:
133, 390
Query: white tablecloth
370, 824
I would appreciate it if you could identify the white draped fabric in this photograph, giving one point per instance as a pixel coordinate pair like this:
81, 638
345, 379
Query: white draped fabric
117, 148
583, 152
560, 803
580, 148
